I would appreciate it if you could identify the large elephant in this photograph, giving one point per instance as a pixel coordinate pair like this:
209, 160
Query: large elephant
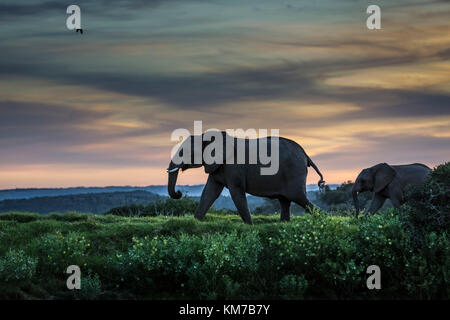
288, 184
388, 182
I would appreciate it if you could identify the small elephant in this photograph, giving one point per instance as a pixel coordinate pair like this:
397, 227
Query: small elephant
288, 184
387, 181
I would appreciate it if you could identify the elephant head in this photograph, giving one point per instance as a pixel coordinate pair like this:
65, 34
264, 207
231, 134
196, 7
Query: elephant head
190, 155
372, 179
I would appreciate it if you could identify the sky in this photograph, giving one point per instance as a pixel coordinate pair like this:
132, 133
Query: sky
99, 108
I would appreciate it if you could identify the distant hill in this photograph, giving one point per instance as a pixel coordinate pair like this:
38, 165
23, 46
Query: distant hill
99, 200
190, 190
193, 190
97, 203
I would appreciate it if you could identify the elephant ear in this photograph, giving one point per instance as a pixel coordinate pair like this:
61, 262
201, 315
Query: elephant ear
384, 175
210, 138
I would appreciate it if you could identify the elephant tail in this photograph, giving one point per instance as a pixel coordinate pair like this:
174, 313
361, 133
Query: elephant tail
321, 182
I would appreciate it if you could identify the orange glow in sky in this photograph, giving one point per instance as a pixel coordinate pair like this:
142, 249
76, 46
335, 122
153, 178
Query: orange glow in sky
98, 109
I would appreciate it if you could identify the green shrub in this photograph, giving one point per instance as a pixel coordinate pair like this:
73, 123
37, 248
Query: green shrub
91, 288
190, 262
57, 251
16, 266
133, 210
166, 207
213, 210
293, 287
313, 256
320, 247
153, 258
19, 216
230, 253
69, 217
428, 206
341, 199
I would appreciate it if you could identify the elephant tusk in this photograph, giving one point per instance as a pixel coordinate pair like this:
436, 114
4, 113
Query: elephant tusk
173, 170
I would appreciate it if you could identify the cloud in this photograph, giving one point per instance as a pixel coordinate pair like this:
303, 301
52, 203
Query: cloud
393, 103
54, 133
24, 123
370, 149
99, 7
16, 9
211, 90
111, 97
277, 78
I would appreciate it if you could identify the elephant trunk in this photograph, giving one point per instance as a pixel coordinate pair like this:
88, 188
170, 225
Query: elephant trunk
355, 199
173, 175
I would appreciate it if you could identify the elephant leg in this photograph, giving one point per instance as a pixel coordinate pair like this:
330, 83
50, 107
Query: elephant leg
240, 201
397, 198
285, 209
302, 201
396, 203
377, 202
210, 193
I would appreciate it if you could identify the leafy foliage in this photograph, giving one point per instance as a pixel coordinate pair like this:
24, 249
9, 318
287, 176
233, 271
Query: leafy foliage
341, 199
16, 266
162, 252
190, 262
163, 207
428, 206
293, 286
166, 207
91, 288
313, 256
61, 250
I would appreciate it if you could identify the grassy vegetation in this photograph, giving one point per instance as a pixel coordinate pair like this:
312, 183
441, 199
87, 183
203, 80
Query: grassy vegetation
313, 256
163, 207
149, 252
